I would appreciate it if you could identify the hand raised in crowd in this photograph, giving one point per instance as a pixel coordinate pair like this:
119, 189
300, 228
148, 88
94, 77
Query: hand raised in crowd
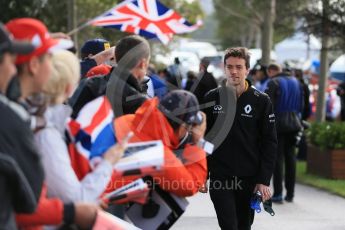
264, 190
114, 153
106, 55
198, 131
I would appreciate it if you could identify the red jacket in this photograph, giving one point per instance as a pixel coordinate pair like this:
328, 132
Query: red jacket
149, 123
48, 212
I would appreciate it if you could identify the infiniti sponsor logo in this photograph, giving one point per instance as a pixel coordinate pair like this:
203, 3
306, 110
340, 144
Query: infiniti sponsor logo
218, 109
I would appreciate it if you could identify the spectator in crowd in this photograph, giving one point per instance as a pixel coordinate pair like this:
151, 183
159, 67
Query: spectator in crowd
286, 94
156, 86
122, 85
205, 81
173, 120
21, 174
191, 78
175, 76
52, 144
93, 53
243, 164
261, 78
124, 90
163, 73
34, 70
303, 146
99, 70
341, 94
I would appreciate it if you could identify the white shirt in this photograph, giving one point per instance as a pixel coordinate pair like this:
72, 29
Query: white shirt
61, 180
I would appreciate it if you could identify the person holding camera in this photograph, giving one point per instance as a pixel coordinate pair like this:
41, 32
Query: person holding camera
178, 123
286, 94
243, 163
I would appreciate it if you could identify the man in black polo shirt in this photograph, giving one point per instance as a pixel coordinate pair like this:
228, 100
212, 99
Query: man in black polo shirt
244, 162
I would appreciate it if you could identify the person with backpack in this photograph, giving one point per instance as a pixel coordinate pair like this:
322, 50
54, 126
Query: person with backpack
122, 85
286, 94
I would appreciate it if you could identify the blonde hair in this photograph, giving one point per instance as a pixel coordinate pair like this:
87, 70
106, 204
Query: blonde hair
65, 72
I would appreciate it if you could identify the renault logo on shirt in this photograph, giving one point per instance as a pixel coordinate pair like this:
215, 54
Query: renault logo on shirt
247, 110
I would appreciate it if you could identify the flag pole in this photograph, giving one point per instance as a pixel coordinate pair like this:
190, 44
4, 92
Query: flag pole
75, 30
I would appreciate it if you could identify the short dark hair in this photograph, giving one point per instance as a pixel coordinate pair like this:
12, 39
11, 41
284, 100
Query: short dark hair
205, 62
130, 50
239, 52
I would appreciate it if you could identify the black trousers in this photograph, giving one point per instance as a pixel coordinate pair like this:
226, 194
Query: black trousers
231, 199
285, 154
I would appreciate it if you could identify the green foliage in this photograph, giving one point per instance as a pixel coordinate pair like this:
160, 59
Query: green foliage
241, 21
235, 22
189, 10
19, 8
334, 186
89, 9
327, 135
54, 14
335, 18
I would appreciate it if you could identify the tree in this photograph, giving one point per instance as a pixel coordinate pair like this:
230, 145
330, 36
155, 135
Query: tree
267, 32
22, 8
325, 19
190, 10
242, 22
55, 14
313, 16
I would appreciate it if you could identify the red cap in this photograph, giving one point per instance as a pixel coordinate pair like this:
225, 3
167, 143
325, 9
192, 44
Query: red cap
35, 32
101, 69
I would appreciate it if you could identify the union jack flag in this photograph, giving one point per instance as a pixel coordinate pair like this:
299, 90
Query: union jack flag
148, 18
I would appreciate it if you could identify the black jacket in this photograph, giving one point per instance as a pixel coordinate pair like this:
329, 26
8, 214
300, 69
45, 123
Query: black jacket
203, 85
86, 65
21, 173
124, 92
249, 148
119, 92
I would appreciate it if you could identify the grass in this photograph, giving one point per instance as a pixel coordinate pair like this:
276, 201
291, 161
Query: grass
334, 186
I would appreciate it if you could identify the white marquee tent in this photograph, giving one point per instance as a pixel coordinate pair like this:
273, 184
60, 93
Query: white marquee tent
296, 48
337, 69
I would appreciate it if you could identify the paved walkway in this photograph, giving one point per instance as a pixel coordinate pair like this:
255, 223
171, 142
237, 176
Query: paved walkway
312, 209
